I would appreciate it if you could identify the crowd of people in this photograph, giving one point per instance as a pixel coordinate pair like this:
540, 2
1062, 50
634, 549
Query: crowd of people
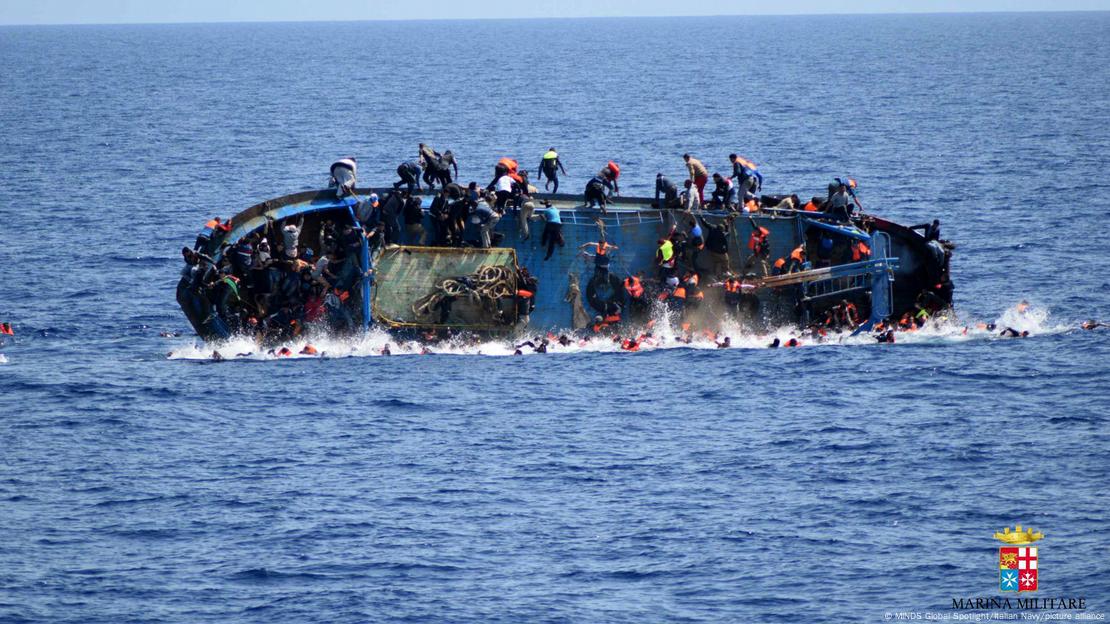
273, 283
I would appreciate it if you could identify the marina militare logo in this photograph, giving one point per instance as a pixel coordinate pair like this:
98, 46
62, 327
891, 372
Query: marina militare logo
1018, 567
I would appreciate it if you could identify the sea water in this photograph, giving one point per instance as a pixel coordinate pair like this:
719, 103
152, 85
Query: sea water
141, 481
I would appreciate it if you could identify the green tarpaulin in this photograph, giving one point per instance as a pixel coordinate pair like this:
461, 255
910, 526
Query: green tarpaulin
408, 285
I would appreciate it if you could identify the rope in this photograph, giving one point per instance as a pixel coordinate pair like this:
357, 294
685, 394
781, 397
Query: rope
486, 285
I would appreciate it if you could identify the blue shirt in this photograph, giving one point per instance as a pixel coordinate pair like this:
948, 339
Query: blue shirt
695, 232
552, 215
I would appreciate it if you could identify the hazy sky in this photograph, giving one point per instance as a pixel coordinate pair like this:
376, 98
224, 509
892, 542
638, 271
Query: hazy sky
131, 11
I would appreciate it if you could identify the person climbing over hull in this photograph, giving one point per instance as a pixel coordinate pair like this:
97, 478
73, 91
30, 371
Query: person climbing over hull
426, 159
602, 185
759, 245
550, 166
665, 190
602, 255
409, 172
439, 170
552, 230
344, 175
698, 174
746, 175
724, 192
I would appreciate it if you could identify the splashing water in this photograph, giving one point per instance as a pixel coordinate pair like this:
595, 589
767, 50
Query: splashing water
665, 335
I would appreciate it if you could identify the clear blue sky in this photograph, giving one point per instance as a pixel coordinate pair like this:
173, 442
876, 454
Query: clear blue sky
145, 11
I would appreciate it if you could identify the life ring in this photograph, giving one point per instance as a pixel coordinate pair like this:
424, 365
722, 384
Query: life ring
601, 291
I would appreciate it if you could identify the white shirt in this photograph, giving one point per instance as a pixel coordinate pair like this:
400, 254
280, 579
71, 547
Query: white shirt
505, 183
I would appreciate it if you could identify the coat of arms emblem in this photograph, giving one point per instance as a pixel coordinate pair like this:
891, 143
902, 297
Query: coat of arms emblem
1017, 562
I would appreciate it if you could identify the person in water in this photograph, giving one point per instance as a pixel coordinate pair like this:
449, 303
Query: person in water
1010, 332
550, 166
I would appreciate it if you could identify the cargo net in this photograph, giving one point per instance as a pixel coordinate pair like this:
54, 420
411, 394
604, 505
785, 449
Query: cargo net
431, 287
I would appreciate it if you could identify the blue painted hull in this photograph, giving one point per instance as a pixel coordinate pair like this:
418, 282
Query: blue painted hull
630, 224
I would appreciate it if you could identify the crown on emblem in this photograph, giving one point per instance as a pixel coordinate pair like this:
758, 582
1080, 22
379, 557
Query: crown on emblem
1018, 537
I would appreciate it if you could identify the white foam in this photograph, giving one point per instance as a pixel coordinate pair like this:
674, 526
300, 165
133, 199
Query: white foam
1020, 317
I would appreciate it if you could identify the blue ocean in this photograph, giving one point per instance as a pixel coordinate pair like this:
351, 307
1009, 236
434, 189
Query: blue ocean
140, 481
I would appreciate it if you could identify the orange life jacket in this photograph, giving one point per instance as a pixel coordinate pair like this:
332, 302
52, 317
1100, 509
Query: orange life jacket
751, 205
634, 287
6, 329
525, 294
860, 250
810, 206
509, 164
732, 286
679, 293
612, 318
798, 254
615, 169
780, 263
212, 224
758, 238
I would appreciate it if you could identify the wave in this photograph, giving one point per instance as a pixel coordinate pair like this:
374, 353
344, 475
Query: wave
665, 335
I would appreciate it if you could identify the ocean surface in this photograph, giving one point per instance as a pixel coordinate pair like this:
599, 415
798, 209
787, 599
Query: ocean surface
142, 482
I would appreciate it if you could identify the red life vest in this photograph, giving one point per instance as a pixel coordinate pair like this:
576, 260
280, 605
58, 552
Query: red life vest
525, 294
615, 169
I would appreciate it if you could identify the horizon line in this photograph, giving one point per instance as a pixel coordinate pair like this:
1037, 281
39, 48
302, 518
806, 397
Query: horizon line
549, 18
